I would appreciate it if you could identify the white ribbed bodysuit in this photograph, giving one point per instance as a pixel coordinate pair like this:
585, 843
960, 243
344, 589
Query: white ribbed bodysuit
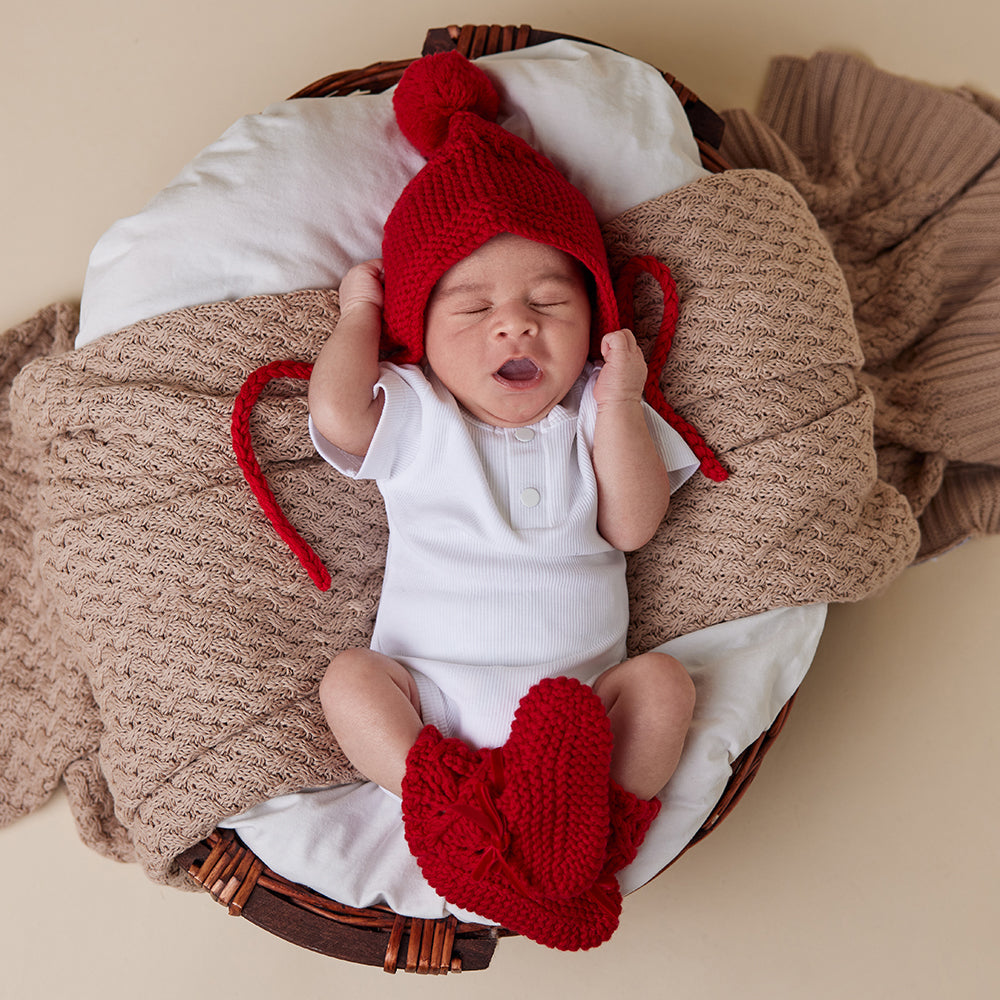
496, 575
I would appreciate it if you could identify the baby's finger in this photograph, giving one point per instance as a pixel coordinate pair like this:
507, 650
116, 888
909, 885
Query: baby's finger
616, 340
362, 283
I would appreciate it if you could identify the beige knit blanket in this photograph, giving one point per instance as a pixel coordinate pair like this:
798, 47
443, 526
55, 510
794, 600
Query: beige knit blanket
161, 648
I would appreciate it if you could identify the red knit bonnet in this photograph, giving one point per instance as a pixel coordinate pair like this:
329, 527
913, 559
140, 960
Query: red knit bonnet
479, 181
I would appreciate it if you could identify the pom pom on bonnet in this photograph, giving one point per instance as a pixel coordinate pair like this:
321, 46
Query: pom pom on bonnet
479, 181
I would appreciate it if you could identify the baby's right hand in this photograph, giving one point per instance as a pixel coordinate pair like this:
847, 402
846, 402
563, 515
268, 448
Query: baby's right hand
363, 283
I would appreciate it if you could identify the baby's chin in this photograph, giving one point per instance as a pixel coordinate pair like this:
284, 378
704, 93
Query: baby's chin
517, 413
515, 395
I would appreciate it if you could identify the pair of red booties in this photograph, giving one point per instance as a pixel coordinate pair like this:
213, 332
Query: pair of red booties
531, 834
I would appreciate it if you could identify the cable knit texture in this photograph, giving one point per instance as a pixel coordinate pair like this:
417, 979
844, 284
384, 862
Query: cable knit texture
904, 180
162, 648
519, 834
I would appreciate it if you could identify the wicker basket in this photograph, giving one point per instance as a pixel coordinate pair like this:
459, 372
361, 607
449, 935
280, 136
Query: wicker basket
376, 936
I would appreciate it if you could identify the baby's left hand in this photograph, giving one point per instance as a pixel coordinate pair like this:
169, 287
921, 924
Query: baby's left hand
623, 376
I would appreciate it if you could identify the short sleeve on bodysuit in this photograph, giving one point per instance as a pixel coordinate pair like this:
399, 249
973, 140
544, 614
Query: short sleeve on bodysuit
678, 458
680, 461
396, 436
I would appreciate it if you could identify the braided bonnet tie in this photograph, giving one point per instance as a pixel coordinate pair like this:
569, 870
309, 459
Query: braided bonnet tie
710, 466
243, 447
251, 389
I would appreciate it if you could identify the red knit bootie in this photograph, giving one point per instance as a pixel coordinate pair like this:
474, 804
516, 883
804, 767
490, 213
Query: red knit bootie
631, 818
519, 834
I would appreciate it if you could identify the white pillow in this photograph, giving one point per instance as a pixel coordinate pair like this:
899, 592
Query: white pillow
290, 198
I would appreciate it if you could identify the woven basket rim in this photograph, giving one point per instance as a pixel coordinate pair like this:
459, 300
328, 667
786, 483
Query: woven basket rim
485, 39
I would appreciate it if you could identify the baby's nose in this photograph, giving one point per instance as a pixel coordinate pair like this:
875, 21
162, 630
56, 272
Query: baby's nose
515, 320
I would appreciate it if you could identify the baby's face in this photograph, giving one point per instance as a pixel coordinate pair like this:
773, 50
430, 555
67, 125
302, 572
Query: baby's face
507, 330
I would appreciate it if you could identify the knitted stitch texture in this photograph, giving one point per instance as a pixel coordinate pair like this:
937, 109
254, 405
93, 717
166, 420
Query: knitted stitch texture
764, 362
904, 180
480, 180
161, 648
631, 818
519, 834
49, 722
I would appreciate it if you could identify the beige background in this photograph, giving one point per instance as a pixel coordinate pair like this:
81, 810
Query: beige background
863, 863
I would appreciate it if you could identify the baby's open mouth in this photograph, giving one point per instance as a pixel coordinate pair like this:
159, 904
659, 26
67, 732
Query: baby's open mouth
518, 370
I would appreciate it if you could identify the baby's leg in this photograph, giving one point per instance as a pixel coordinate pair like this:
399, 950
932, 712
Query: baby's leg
373, 708
650, 702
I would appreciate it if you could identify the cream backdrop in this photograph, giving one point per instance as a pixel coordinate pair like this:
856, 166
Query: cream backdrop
863, 862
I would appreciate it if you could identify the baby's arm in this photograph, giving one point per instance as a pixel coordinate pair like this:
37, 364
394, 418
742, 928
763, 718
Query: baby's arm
341, 401
633, 489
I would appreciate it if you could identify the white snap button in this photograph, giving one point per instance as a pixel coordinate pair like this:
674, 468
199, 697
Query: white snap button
531, 497
524, 434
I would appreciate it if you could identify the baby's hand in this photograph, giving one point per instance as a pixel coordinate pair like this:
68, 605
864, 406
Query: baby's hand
623, 376
363, 283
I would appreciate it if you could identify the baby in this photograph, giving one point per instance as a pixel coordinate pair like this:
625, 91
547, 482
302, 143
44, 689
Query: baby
507, 334
515, 474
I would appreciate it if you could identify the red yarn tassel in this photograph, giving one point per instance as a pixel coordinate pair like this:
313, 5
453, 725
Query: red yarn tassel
710, 465
243, 447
